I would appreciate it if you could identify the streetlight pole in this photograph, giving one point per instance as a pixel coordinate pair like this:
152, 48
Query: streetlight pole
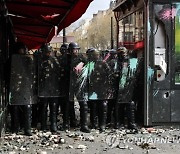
112, 41
64, 36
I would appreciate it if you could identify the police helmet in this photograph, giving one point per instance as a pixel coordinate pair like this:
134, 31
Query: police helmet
72, 46
46, 48
92, 53
90, 50
105, 52
63, 48
112, 51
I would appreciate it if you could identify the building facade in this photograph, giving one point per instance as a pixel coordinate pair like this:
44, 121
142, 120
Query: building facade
151, 29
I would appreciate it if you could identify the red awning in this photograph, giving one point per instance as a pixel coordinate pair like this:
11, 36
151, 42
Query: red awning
34, 21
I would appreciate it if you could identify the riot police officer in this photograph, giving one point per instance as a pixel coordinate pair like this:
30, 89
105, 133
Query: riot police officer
63, 99
21, 88
98, 88
112, 61
128, 65
69, 118
76, 62
48, 86
35, 107
92, 106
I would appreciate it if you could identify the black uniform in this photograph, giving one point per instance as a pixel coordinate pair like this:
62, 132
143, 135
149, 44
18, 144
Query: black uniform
100, 90
113, 81
35, 107
49, 89
126, 91
77, 87
67, 105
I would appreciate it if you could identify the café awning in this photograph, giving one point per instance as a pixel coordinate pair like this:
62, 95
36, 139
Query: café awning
34, 21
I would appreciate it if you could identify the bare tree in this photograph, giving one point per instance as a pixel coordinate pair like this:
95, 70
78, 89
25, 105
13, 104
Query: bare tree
98, 32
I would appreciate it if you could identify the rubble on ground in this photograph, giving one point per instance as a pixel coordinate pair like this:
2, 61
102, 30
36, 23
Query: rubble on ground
95, 142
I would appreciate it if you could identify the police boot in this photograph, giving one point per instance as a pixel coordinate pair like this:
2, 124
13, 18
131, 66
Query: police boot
53, 116
103, 115
84, 117
34, 115
66, 125
109, 111
43, 107
72, 115
119, 116
131, 116
93, 115
27, 120
116, 116
65, 116
15, 118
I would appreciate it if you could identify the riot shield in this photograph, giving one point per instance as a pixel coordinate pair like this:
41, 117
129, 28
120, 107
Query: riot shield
114, 74
78, 78
128, 80
100, 74
50, 77
63, 79
22, 80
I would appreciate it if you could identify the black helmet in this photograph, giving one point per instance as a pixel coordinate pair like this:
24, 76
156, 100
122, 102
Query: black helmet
112, 51
112, 54
92, 53
104, 52
72, 46
46, 48
63, 48
90, 50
